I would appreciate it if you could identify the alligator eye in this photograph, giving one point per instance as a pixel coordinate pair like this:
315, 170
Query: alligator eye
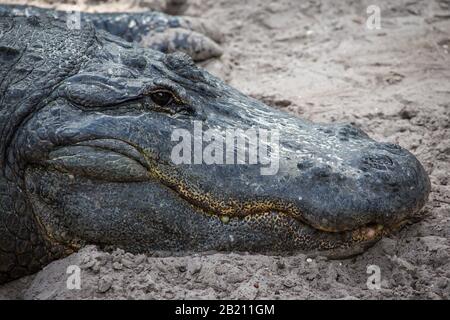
161, 98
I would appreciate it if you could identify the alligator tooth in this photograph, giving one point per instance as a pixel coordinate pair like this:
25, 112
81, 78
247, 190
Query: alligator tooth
372, 231
224, 219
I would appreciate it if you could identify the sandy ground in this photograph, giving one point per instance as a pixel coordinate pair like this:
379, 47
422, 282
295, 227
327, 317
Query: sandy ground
317, 60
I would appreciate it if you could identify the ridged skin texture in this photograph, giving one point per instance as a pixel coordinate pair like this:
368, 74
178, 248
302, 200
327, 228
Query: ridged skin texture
155, 30
85, 159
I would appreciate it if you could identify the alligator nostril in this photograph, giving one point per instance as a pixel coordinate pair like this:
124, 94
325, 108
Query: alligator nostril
376, 161
395, 187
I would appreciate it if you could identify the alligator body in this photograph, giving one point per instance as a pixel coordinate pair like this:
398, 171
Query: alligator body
151, 29
86, 157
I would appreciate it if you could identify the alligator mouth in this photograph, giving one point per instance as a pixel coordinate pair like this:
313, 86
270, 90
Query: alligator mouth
204, 202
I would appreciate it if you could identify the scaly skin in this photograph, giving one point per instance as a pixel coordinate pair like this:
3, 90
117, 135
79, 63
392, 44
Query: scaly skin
85, 158
151, 29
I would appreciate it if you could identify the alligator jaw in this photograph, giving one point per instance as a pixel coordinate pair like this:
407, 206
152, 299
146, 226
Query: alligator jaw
231, 210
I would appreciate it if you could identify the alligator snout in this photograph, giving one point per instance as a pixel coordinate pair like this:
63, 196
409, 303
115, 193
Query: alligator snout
380, 184
344, 180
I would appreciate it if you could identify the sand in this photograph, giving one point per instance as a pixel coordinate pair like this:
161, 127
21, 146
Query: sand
317, 60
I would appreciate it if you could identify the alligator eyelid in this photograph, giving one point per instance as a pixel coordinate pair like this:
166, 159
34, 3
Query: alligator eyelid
176, 89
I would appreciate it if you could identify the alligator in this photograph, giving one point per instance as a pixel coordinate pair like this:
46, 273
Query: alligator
152, 29
87, 122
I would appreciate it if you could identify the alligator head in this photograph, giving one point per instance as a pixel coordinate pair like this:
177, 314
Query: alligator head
90, 126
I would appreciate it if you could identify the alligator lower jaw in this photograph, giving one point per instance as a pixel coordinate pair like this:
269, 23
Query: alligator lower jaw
368, 232
362, 234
